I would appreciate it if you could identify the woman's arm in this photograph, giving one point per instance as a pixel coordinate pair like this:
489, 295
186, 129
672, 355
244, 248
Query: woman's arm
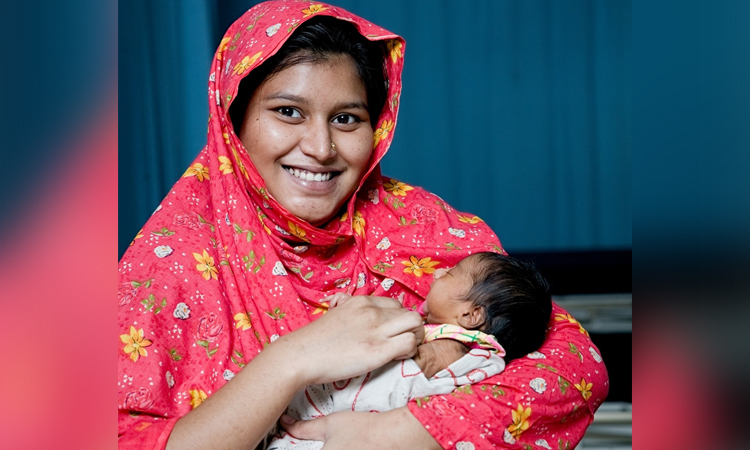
397, 429
357, 337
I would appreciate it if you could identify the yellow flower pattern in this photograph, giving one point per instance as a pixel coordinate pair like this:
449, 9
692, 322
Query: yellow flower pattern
382, 132
142, 426
313, 9
395, 49
323, 308
197, 396
246, 63
571, 319
243, 321
135, 343
297, 231
396, 187
239, 163
520, 421
467, 219
358, 223
137, 236
206, 265
226, 165
584, 388
222, 46
197, 170
417, 267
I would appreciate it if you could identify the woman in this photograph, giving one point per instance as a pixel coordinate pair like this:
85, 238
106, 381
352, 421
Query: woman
284, 207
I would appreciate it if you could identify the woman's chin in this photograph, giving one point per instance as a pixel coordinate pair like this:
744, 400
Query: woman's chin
315, 215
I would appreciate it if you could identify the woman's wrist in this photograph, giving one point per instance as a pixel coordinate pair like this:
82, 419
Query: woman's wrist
287, 361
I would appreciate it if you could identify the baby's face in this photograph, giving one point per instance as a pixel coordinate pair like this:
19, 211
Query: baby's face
444, 302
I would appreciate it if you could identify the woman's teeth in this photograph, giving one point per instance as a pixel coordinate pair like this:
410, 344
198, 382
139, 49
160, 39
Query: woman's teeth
309, 176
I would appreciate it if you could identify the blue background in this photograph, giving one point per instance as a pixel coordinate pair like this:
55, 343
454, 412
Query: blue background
516, 111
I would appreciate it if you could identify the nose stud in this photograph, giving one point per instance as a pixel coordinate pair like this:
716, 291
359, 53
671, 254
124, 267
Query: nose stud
333, 146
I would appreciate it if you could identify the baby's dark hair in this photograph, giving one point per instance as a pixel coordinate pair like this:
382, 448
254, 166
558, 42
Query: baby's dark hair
319, 40
516, 302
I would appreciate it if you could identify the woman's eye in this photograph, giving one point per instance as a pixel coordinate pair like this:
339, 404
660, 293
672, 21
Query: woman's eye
346, 119
289, 112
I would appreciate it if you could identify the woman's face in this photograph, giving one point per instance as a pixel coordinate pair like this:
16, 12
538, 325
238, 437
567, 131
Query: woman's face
291, 121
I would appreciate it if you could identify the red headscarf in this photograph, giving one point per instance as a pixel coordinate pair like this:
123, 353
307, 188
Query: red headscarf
221, 269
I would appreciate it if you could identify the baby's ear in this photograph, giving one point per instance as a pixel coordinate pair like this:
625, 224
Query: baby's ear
472, 318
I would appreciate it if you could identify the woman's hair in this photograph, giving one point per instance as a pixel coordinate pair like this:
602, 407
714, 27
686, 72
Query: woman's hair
318, 40
516, 302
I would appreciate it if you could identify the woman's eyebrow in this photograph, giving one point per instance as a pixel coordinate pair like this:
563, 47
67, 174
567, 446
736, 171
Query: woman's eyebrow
353, 105
303, 101
285, 96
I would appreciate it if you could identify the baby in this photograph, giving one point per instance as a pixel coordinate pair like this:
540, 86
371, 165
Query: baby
486, 307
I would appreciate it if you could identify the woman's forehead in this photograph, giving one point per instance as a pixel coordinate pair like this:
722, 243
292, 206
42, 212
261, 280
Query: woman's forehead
289, 78
336, 84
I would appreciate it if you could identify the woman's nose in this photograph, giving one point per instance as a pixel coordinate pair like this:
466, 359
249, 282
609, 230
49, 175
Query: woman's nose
317, 142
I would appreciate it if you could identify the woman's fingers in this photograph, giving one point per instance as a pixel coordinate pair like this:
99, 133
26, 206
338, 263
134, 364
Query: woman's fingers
406, 321
406, 345
359, 335
404, 329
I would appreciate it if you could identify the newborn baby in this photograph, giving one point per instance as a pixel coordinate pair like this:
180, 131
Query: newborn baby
487, 307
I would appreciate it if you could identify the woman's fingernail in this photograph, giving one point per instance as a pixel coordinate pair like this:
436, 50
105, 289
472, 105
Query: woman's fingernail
287, 420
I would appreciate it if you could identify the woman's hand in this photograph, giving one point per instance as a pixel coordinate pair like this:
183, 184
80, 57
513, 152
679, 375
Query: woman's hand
355, 338
395, 429
359, 335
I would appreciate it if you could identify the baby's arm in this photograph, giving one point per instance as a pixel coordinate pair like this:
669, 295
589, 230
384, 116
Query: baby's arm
436, 355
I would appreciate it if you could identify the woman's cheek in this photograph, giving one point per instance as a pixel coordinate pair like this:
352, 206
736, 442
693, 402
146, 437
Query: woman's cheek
361, 158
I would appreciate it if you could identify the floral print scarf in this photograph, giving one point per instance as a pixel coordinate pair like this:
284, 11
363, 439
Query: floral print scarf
221, 270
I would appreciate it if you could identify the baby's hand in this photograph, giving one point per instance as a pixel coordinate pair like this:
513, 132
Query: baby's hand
436, 355
337, 299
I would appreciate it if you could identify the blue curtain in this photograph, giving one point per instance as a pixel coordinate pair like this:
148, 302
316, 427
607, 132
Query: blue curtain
516, 111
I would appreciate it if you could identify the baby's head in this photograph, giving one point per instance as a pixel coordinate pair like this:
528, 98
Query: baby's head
496, 294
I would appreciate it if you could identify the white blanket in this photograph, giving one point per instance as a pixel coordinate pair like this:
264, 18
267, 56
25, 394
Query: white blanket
383, 389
